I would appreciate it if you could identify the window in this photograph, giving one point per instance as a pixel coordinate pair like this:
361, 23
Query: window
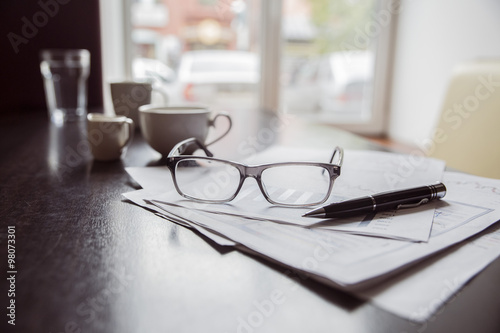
207, 50
333, 53
316, 59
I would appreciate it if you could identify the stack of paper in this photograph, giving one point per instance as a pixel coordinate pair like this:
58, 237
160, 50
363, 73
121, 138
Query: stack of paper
358, 255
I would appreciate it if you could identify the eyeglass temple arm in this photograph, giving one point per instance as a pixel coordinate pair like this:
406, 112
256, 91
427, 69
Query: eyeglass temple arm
181, 147
340, 152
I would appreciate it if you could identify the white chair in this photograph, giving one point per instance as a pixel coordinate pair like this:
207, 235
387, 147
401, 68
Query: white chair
467, 136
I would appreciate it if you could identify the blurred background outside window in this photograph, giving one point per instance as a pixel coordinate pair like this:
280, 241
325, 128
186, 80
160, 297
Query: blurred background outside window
208, 51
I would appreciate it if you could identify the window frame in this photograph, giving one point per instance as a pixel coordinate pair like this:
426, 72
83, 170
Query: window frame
117, 47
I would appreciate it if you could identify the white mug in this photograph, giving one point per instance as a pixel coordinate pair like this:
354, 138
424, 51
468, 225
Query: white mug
128, 96
108, 136
163, 127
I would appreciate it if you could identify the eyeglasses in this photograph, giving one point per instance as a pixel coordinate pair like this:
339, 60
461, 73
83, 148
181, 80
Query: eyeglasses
211, 180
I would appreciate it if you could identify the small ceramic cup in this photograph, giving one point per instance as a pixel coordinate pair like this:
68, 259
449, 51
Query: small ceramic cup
108, 136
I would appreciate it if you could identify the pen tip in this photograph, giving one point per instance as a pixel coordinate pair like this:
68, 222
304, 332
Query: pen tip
314, 212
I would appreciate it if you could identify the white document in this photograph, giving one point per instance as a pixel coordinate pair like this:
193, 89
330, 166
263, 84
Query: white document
137, 198
363, 173
363, 264
354, 259
419, 293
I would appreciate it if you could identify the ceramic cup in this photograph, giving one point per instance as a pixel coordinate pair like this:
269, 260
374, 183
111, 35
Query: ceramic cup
128, 96
163, 127
108, 136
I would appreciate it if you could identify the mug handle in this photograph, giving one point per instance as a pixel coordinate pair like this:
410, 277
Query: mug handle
163, 94
212, 123
131, 129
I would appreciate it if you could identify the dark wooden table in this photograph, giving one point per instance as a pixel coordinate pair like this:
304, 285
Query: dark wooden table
87, 261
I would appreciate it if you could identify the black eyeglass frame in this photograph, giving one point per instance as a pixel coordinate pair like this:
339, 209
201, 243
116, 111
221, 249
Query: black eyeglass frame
175, 156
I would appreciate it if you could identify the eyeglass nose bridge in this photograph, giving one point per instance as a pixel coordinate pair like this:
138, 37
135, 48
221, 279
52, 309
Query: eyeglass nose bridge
255, 173
252, 172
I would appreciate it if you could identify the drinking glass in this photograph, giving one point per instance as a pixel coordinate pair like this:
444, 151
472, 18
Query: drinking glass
65, 74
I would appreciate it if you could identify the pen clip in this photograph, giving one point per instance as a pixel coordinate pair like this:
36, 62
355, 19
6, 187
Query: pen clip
423, 201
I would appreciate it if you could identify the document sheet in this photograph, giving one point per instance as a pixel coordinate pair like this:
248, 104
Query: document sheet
420, 292
396, 273
363, 173
350, 261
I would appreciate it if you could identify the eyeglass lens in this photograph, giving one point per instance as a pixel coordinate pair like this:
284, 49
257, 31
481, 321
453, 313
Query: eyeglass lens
296, 184
207, 179
286, 184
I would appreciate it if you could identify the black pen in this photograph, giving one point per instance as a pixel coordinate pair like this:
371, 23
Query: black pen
398, 199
